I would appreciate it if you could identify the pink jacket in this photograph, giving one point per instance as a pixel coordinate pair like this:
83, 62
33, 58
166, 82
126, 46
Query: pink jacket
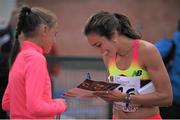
28, 94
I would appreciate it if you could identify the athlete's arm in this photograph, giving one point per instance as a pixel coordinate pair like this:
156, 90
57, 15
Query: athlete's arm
153, 63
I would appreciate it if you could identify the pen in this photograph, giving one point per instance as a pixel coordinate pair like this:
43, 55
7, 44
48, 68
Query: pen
88, 76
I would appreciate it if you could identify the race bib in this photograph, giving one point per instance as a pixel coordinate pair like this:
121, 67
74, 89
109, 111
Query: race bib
127, 85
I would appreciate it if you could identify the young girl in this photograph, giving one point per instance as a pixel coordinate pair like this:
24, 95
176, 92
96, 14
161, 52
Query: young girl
134, 62
28, 94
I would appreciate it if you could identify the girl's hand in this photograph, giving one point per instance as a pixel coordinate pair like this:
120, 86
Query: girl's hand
110, 96
62, 104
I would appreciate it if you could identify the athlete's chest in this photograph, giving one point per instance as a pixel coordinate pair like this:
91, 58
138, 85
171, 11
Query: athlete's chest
123, 63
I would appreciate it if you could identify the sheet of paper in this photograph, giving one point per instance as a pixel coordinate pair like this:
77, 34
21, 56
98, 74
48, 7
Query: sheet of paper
87, 87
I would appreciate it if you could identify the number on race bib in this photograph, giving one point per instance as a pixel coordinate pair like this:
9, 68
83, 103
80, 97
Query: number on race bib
127, 85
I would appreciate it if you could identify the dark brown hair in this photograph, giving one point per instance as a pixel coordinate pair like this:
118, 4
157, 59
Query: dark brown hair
104, 24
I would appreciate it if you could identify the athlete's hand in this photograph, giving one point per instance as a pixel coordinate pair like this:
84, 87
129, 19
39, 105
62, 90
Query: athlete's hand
110, 96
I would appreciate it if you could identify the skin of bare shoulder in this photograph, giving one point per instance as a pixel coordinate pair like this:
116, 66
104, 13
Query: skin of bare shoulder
146, 50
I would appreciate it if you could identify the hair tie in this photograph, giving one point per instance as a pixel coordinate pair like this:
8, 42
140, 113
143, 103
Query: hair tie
26, 10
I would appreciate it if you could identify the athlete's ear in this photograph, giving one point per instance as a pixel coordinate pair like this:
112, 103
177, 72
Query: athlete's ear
45, 29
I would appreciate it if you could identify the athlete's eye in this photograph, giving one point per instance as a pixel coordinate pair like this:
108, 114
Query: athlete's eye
98, 46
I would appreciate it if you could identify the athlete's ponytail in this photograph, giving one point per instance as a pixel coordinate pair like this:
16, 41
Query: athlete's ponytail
125, 27
105, 24
25, 11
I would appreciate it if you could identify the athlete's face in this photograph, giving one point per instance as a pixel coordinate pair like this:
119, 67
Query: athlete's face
50, 38
102, 44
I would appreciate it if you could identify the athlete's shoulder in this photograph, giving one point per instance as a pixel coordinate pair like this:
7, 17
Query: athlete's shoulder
147, 47
31, 54
149, 54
